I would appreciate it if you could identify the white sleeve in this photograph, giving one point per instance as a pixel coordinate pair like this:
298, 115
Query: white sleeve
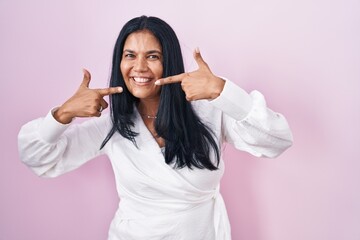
250, 125
50, 148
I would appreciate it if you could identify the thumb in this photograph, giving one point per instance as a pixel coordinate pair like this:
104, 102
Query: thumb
199, 60
86, 79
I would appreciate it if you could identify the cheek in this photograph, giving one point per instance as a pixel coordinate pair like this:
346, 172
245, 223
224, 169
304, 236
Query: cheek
158, 70
123, 68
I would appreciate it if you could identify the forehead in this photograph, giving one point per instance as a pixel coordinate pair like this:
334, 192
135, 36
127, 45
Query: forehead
142, 40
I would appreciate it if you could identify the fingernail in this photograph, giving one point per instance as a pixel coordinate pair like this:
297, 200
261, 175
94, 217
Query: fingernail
197, 50
120, 89
157, 82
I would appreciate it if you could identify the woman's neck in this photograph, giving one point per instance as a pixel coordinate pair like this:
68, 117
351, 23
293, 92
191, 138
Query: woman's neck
148, 107
148, 111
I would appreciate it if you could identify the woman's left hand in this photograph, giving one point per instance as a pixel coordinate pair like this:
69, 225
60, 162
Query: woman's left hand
199, 84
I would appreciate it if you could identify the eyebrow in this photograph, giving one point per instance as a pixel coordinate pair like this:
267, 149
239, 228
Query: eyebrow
148, 52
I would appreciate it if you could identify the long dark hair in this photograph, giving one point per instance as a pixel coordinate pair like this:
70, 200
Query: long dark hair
188, 141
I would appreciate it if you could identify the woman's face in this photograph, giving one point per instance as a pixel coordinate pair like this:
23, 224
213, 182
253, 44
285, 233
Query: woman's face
141, 64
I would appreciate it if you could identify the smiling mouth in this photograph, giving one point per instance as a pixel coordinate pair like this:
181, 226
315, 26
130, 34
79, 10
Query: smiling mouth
141, 80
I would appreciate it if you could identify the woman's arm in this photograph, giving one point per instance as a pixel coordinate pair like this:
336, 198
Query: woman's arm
250, 125
50, 148
247, 121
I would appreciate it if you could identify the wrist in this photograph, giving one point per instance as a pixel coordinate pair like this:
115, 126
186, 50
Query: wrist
62, 116
218, 87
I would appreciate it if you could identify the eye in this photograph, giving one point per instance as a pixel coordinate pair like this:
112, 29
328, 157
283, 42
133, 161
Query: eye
153, 57
129, 55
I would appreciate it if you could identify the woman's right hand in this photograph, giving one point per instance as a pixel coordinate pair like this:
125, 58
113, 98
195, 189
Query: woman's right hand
85, 102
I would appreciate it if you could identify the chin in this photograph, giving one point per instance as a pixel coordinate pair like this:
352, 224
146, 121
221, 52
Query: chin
144, 95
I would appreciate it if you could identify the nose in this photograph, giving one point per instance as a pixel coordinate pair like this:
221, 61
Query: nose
140, 64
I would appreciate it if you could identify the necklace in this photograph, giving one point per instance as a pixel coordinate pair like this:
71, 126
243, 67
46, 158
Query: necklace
149, 116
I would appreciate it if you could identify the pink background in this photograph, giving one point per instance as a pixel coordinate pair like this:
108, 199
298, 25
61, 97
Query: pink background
304, 56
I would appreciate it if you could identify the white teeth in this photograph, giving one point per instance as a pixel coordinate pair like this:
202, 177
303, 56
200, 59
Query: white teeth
141, 80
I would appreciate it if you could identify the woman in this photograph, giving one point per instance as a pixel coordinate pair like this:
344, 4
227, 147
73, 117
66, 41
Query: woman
164, 146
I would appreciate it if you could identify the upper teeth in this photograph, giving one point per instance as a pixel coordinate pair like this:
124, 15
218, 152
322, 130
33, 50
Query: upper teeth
142, 80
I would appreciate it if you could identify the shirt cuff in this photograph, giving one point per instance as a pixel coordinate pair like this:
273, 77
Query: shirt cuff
50, 130
234, 101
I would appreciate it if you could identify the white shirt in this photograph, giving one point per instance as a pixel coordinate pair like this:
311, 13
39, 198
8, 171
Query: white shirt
156, 200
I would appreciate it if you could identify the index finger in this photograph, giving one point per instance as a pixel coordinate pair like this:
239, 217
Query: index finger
108, 91
171, 79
